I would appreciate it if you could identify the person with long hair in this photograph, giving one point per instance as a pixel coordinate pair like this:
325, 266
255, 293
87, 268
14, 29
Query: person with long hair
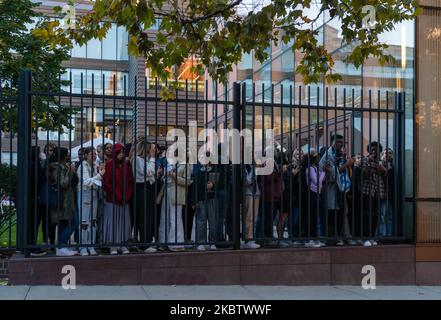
271, 189
386, 218
290, 208
118, 185
107, 152
374, 191
47, 159
63, 177
91, 178
315, 180
143, 160
251, 205
171, 228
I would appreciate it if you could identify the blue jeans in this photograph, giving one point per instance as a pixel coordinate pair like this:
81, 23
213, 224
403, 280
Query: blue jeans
385, 220
66, 228
321, 225
293, 223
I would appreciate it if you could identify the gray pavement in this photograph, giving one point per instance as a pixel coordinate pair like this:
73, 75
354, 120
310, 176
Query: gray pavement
219, 293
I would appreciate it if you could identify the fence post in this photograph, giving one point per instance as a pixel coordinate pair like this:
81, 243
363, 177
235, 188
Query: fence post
23, 158
236, 169
402, 154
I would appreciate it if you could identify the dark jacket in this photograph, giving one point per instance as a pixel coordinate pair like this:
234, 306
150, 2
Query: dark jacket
201, 179
272, 185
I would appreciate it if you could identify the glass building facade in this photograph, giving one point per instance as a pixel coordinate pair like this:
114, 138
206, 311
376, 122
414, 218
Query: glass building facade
112, 47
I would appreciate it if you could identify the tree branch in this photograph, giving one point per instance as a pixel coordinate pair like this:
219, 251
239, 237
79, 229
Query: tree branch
214, 13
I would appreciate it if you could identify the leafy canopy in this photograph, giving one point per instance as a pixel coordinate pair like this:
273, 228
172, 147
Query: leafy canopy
219, 32
21, 49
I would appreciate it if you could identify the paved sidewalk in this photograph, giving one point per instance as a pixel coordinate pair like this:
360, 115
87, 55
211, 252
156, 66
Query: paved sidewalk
219, 293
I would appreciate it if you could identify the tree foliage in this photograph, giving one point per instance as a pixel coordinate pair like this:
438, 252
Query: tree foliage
221, 31
21, 49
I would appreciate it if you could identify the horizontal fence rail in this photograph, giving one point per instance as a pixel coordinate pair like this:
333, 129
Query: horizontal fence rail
133, 172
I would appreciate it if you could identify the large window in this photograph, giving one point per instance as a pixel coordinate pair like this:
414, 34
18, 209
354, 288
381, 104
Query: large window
89, 79
184, 74
110, 44
112, 47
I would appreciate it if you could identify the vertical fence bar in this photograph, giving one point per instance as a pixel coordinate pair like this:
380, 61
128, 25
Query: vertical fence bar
363, 211
281, 160
271, 218
369, 152
10, 163
308, 179
157, 210
24, 149
261, 224
353, 169
236, 167
302, 171
242, 167
387, 166
378, 200
290, 216
325, 195
402, 148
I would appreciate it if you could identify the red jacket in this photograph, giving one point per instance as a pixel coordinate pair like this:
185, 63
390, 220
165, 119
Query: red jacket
123, 182
272, 185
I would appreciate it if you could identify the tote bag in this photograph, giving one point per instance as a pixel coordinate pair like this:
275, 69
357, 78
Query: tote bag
51, 196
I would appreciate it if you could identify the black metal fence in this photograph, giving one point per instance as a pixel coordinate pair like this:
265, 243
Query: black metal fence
100, 178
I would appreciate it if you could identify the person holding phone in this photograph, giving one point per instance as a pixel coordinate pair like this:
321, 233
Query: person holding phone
314, 179
143, 160
374, 191
91, 178
118, 185
64, 177
177, 177
208, 182
334, 199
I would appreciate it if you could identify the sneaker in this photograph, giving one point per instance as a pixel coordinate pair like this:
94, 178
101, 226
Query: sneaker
176, 249
92, 251
213, 247
251, 245
374, 243
298, 243
359, 242
321, 243
367, 243
311, 244
352, 242
150, 250
38, 253
340, 243
113, 251
124, 250
83, 252
65, 252
201, 247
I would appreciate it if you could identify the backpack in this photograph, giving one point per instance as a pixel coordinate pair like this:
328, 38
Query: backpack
343, 179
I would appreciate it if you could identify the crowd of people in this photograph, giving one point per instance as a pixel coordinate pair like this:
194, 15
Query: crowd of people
125, 198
